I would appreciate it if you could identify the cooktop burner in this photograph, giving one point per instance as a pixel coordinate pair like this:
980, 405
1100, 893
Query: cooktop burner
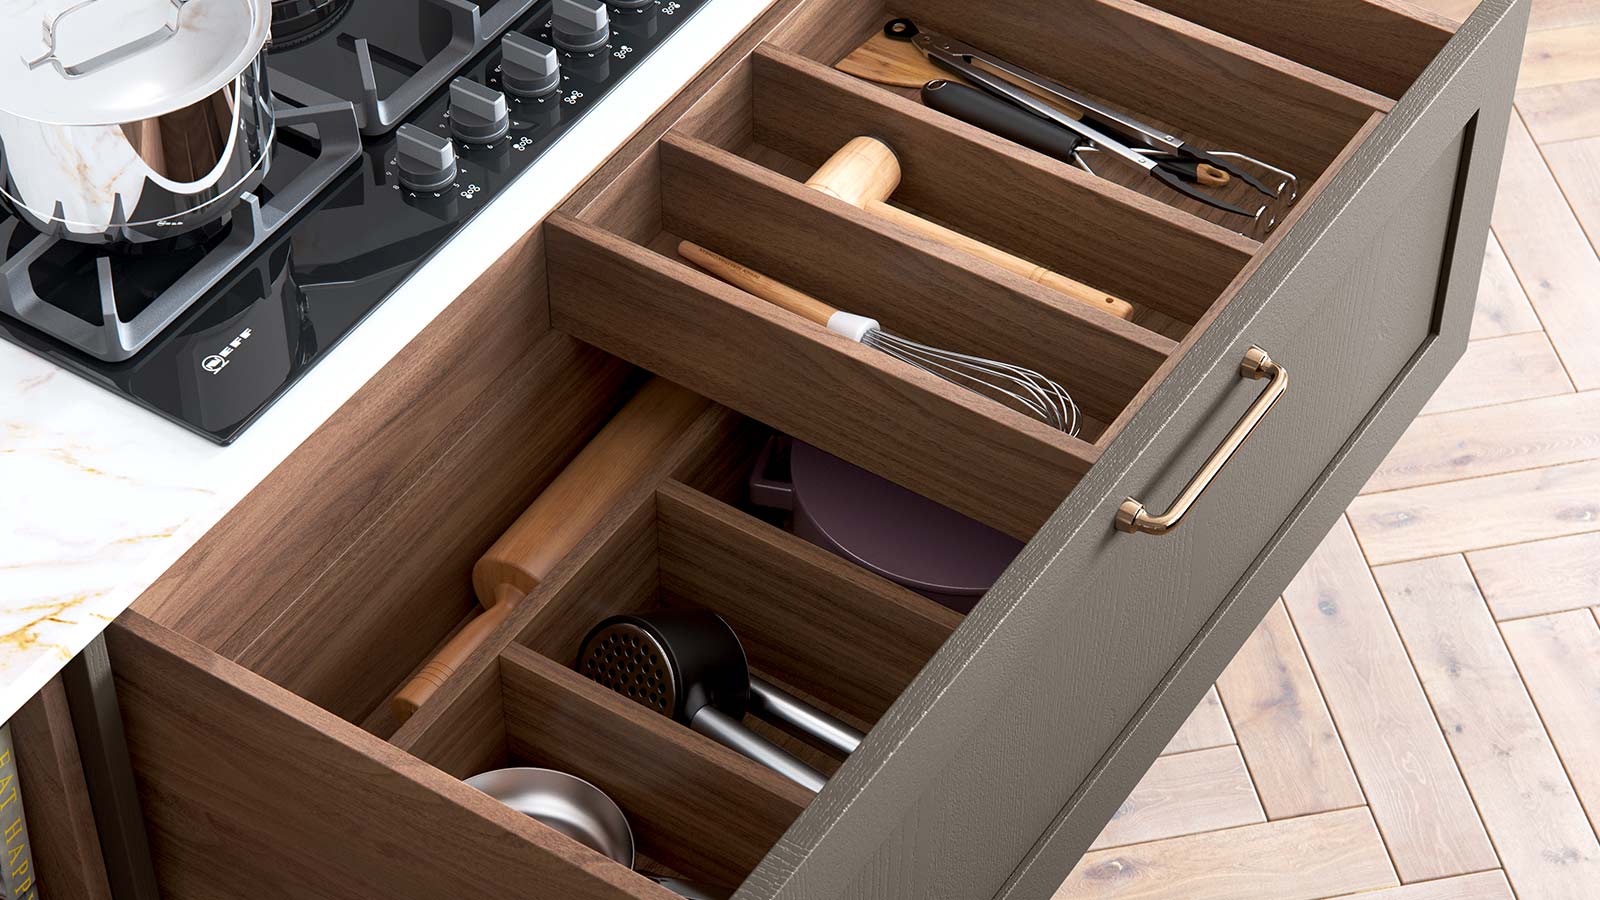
240, 314
294, 22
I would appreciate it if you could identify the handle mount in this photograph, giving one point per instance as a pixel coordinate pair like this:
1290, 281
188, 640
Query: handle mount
110, 57
1132, 517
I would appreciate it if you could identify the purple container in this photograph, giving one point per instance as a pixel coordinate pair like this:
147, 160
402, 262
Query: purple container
880, 526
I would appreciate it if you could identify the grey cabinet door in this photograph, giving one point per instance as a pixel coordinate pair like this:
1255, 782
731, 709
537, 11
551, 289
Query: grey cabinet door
995, 771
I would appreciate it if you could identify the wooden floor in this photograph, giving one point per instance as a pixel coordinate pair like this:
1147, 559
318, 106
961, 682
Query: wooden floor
1419, 718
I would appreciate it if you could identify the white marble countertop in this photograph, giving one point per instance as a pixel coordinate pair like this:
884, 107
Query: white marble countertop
98, 497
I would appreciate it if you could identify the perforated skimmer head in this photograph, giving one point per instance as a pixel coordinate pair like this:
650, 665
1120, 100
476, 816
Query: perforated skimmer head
628, 659
675, 662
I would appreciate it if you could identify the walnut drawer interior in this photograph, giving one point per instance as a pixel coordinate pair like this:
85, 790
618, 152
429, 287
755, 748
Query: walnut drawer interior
310, 641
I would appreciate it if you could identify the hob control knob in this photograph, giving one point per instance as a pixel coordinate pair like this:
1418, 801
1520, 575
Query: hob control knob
477, 112
631, 4
528, 68
427, 160
581, 25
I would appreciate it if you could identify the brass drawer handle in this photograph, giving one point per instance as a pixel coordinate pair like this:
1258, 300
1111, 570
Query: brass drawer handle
1132, 516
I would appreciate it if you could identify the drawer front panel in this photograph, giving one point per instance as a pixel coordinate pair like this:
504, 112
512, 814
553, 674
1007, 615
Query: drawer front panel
1029, 728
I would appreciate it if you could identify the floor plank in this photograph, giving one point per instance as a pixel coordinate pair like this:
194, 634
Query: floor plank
1541, 577
1478, 886
1558, 658
1389, 731
1501, 370
1503, 306
1576, 165
1544, 840
1205, 728
1451, 518
1205, 790
1560, 55
1551, 256
1561, 112
1295, 859
1283, 727
1562, 14
1493, 440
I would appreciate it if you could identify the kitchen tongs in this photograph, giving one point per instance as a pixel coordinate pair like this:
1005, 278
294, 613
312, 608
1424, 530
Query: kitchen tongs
1101, 129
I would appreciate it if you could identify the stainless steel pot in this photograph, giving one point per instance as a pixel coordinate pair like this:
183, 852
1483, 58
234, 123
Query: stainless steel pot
132, 120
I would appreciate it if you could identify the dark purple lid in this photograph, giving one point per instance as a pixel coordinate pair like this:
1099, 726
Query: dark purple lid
899, 534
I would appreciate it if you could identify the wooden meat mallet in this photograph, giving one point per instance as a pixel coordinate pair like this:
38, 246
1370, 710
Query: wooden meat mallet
574, 503
864, 173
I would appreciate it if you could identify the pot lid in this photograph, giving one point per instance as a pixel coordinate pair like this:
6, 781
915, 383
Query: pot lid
900, 534
105, 62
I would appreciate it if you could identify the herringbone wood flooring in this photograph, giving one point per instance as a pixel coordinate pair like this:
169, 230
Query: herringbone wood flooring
1419, 718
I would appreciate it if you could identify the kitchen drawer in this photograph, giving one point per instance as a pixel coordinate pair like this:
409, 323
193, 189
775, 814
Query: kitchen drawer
257, 674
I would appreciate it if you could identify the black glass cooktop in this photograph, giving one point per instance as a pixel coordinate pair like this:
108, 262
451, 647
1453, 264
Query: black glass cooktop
288, 303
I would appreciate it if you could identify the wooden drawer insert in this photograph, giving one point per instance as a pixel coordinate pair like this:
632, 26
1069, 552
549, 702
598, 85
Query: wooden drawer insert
255, 677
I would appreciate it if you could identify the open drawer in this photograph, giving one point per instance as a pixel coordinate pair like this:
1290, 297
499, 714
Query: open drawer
1250, 385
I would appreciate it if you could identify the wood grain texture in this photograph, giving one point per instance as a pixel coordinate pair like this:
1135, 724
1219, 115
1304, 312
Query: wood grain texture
1260, 104
1539, 577
970, 454
1559, 56
806, 616
1538, 827
407, 584
1448, 518
1478, 886
1296, 859
1576, 166
1206, 790
1380, 45
1389, 732
1501, 370
1471, 443
61, 826
1205, 728
1562, 112
694, 804
246, 788
966, 178
1503, 306
1296, 760
297, 523
1551, 255
1558, 658
860, 264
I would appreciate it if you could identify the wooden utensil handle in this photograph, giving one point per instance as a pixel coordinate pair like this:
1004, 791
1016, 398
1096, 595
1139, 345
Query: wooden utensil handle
751, 281
1038, 274
450, 657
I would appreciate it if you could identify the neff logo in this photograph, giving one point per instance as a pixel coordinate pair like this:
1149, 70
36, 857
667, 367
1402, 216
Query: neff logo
216, 362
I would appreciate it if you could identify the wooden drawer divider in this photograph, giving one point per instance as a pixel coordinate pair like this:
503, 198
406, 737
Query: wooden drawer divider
916, 287
945, 442
1146, 251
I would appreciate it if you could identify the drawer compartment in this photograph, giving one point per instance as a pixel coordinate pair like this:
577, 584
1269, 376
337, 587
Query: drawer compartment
822, 629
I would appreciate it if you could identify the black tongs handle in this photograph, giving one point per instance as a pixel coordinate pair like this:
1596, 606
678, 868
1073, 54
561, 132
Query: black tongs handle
1001, 118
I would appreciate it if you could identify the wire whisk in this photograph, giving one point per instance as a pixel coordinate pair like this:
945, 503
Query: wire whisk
1017, 387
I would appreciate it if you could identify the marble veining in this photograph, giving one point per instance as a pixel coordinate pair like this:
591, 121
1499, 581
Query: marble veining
98, 498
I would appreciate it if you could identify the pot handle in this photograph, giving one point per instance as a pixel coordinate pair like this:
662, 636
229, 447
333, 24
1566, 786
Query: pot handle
769, 493
110, 57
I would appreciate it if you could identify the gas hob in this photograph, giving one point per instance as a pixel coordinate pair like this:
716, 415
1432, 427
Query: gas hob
387, 145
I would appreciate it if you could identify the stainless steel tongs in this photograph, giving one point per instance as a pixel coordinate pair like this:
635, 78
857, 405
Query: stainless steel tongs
1101, 129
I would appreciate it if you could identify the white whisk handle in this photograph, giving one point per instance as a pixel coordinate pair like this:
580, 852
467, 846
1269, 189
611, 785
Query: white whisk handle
852, 326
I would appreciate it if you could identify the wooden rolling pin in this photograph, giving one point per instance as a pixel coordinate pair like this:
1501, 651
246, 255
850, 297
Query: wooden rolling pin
864, 173
589, 487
